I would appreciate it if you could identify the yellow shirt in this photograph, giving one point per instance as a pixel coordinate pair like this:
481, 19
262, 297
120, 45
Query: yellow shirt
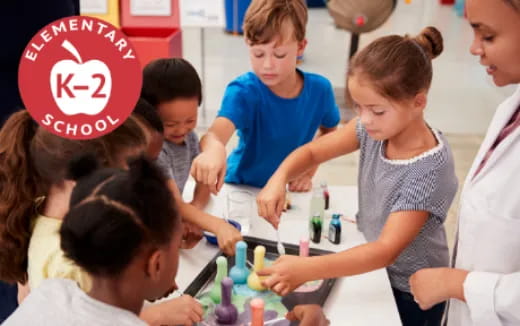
47, 260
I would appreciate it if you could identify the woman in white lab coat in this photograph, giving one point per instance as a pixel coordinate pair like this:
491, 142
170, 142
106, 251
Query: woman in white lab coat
484, 285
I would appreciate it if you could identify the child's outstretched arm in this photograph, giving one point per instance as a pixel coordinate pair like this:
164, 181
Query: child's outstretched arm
226, 234
401, 228
304, 182
201, 196
209, 167
272, 197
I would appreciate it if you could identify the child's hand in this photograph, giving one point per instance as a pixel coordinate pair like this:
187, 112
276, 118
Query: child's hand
302, 184
308, 315
285, 275
227, 236
179, 311
191, 235
271, 202
23, 291
184, 311
431, 286
209, 168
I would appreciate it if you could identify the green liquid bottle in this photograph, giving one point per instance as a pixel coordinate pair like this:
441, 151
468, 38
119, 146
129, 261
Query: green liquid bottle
316, 214
316, 226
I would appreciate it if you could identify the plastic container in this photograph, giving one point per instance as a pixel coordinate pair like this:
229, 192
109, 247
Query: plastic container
211, 238
240, 208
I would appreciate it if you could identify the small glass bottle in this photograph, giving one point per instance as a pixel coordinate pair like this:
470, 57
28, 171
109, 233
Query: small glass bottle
326, 195
335, 229
317, 203
316, 226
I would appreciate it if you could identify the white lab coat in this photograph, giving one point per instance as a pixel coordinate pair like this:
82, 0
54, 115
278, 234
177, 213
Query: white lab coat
489, 231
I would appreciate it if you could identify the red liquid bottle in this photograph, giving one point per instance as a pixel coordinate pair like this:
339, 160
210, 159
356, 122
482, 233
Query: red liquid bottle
326, 195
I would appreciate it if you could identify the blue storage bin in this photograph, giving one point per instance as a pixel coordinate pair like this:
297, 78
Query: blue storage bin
235, 12
459, 7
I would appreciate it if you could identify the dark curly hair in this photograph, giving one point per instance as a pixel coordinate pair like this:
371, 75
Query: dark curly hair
114, 213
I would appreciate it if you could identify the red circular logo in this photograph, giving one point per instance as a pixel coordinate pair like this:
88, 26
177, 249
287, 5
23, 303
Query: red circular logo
79, 77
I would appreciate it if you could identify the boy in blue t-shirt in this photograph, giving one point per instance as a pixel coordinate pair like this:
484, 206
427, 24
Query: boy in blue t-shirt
275, 109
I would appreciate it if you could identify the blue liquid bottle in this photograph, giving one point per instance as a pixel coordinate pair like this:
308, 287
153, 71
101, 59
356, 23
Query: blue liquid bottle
335, 229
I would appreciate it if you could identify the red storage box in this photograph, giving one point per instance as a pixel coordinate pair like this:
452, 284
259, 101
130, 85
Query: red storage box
149, 17
150, 48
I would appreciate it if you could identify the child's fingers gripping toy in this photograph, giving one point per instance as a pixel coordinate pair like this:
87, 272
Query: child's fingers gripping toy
215, 285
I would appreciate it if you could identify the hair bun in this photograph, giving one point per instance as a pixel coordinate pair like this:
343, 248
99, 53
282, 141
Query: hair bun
141, 172
81, 166
430, 39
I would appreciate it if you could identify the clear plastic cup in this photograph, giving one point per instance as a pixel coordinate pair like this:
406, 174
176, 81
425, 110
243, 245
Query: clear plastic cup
240, 208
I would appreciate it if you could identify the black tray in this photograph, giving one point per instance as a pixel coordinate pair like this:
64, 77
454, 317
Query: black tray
292, 299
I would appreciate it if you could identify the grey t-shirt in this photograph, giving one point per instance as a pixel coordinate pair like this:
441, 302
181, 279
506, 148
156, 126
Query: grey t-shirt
424, 183
60, 302
175, 160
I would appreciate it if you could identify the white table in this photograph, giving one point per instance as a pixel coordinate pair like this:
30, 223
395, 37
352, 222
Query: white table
357, 300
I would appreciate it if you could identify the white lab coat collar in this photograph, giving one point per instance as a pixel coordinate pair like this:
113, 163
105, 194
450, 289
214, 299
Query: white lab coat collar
502, 116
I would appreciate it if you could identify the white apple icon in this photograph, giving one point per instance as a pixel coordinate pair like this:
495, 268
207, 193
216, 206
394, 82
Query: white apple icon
80, 87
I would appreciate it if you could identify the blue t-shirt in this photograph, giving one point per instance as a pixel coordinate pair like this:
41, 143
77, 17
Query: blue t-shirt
271, 127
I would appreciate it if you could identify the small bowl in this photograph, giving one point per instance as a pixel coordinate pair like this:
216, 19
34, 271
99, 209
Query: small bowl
211, 238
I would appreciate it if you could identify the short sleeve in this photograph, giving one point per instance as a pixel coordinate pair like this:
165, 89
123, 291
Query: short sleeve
418, 193
61, 267
194, 146
331, 117
163, 162
238, 104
